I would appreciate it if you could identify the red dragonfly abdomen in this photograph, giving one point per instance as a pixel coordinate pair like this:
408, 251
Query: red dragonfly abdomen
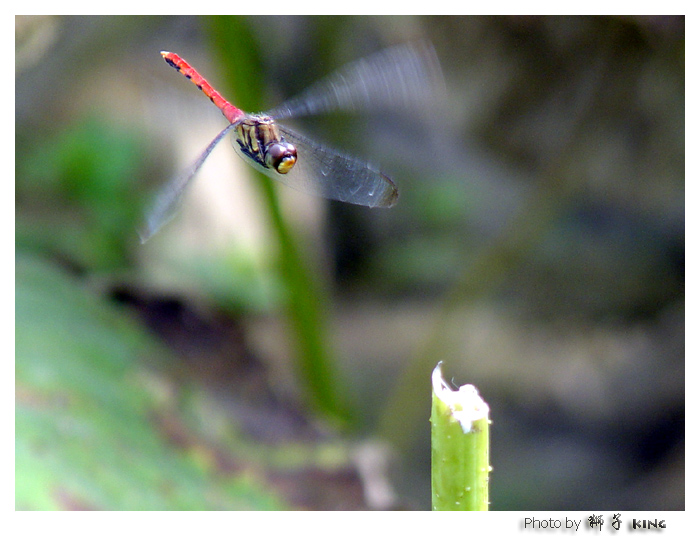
231, 113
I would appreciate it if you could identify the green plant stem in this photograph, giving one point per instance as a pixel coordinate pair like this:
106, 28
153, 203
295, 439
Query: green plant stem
460, 447
306, 303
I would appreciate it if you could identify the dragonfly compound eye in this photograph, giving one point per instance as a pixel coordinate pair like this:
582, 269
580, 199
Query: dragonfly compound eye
281, 156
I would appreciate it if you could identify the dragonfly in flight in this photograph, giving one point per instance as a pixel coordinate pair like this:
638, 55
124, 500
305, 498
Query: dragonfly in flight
405, 76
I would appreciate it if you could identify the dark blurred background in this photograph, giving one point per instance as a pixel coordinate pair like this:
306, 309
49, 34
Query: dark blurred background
269, 350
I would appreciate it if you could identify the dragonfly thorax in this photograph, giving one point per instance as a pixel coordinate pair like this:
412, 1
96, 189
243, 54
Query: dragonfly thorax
260, 139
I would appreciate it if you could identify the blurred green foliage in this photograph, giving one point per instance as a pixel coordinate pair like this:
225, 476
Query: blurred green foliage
84, 179
90, 410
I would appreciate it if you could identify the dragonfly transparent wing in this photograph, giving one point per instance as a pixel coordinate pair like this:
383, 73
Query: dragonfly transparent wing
326, 173
170, 197
402, 77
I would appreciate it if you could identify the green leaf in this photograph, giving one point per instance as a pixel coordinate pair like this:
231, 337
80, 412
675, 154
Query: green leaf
92, 411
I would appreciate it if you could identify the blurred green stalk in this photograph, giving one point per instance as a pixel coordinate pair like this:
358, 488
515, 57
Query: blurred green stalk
306, 303
460, 447
484, 271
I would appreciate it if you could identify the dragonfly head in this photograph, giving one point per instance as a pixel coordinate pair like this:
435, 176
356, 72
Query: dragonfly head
281, 156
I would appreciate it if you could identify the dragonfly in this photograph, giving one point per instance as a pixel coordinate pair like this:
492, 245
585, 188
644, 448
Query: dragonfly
402, 77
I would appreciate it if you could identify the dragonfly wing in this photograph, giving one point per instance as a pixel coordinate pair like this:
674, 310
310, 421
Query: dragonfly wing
170, 197
401, 77
326, 173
